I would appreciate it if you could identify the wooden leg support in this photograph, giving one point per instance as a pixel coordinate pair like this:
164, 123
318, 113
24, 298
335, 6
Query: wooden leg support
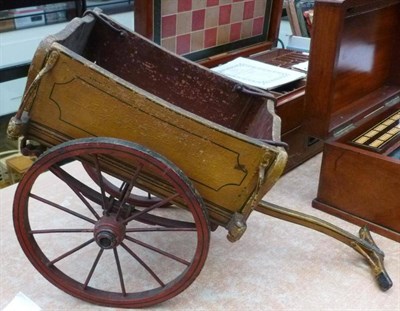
364, 244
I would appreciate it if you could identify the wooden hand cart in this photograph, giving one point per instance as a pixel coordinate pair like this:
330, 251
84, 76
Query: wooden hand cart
167, 150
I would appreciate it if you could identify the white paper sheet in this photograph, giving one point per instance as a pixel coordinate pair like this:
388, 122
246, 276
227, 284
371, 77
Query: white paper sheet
301, 66
21, 303
258, 74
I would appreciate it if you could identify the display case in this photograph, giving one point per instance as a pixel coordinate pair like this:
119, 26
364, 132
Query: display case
214, 32
16, 15
353, 102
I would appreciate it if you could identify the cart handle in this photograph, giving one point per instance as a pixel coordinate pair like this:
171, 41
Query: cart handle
364, 244
16, 126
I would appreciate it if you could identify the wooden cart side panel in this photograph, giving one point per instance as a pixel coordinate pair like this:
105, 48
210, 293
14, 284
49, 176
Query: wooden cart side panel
78, 99
74, 36
154, 69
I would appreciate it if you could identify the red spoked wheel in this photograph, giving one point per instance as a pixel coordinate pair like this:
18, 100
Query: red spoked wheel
96, 245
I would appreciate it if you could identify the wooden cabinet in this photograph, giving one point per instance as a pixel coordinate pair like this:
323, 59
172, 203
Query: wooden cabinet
353, 102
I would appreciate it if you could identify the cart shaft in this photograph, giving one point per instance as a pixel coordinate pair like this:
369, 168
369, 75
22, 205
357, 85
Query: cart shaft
364, 244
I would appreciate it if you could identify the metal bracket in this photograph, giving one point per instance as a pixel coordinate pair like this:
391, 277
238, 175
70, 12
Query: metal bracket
236, 227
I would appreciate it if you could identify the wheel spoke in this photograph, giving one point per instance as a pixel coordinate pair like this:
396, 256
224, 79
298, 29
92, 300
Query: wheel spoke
52, 262
105, 200
123, 190
64, 176
62, 208
96, 261
150, 208
157, 250
60, 231
144, 265
120, 275
127, 188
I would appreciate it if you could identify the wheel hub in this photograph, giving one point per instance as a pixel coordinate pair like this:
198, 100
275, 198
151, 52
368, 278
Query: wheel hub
109, 232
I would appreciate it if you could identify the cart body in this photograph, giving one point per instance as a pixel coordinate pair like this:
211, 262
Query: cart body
101, 84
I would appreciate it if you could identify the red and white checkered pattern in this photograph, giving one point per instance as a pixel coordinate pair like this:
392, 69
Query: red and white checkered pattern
192, 25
